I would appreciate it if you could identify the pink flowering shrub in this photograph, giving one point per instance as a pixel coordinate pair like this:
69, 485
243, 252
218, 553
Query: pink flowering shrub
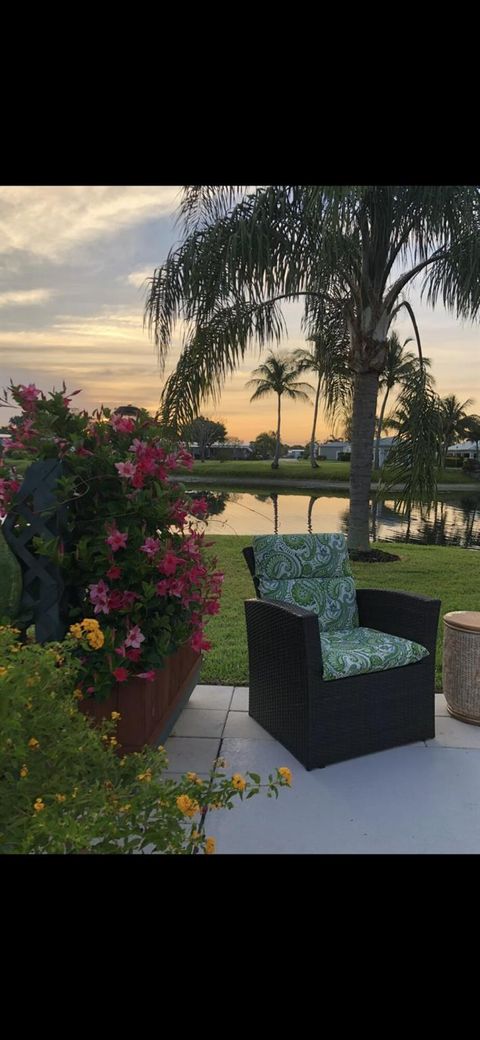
134, 557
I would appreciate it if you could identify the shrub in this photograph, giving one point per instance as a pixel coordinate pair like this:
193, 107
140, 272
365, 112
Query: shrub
64, 787
134, 556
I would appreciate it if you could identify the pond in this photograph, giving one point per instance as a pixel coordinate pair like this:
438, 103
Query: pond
454, 521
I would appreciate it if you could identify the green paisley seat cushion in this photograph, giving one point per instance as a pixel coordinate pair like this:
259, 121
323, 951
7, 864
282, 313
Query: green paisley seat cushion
333, 599
362, 650
311, 571
301, 556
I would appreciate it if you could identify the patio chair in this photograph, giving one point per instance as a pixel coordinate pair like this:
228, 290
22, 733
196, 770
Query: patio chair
335, 671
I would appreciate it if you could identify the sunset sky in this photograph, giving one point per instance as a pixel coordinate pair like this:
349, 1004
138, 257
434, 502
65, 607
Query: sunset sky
72, 263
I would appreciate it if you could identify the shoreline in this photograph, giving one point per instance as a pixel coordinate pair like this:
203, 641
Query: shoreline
341, 485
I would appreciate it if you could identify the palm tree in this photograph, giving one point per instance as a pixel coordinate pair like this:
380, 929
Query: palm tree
398, 368
471, 429
328, 359
452, 419
244, 251
277, 376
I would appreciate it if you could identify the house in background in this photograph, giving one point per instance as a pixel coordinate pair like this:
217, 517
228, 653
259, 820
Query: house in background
467, 450
234, 451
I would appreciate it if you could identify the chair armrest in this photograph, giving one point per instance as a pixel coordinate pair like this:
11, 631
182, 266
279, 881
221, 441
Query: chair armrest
402, 614
284, 636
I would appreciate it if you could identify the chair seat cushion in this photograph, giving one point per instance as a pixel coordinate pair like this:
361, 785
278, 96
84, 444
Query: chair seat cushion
360, 650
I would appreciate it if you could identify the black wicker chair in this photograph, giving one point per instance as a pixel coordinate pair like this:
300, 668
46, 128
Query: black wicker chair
324, 722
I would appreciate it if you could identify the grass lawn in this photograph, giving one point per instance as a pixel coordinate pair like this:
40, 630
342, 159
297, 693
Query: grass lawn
451, 574
303, 471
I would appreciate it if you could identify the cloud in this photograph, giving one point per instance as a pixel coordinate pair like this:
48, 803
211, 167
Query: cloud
52, 221
137, 278
25, 297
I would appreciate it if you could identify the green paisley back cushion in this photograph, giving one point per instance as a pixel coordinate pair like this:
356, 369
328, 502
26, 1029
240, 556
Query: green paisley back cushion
310, 571
301, 556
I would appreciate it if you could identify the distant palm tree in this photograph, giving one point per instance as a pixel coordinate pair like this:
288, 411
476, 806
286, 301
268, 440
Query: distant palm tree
328, 358
452, 419
278, 376
471, 429
398, 368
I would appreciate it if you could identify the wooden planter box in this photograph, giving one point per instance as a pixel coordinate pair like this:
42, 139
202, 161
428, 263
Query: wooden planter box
149, 710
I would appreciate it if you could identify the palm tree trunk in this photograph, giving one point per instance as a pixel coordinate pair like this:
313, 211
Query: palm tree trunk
274, 498
277, 446
313, 462
311, 502
363, 434
376, 463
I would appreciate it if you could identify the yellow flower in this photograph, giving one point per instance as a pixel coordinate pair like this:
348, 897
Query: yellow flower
210, 846
78, 695
114, 742
38, 805
238, 782
3, 671
123, 761
28, 704
115, 716
74, 792
14, 649
285, 772
95, 640
33, 743
191, 776
187, 805
76, 631
125, 808
90, 624
60, 797
146, 776
24, 771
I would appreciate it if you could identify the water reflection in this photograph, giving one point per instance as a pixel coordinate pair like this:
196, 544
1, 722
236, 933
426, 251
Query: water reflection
455, 520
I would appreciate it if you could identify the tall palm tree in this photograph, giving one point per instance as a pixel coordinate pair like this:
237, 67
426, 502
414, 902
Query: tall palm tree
452, 419
328, 359
246, 250
471, 429
399, 364
278, 376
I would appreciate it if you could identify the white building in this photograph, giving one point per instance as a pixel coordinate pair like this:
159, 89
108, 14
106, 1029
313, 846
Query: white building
467, 450
333, 449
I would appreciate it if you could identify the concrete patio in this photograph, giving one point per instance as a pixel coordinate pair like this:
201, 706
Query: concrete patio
422, 798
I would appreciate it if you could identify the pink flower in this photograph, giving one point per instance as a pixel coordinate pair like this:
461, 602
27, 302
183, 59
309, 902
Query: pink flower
120, 674
117, 540
122, 423
169, 563
212, 606
162, 587
134, 655
135, 638
114, 572
197, 642
138, 446
28, 394
178, 512
199, 507
150, 546
99, 594
177, 586
126, 469
147, 675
